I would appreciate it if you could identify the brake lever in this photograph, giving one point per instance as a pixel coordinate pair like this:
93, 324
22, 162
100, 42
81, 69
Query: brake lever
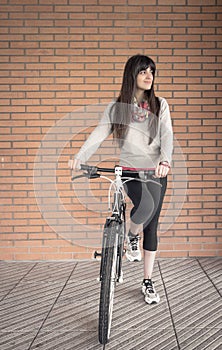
88, 175
92, 176
77, 177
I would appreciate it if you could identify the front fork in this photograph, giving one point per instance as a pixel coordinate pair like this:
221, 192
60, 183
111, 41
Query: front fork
102, 254
121, 239
120, 247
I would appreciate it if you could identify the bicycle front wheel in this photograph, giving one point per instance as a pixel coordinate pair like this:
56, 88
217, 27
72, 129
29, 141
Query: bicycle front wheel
108, 279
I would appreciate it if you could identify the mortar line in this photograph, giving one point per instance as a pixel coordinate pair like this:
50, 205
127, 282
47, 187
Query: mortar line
168, 303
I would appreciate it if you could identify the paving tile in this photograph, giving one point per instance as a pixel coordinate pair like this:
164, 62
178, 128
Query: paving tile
10, 275
213, 269
16, 340
201, 339
25, 308
54, 306
67, 340
78, 304
155, 339
194, 303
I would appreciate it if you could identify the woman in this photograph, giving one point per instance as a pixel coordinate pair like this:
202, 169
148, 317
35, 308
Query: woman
141, 124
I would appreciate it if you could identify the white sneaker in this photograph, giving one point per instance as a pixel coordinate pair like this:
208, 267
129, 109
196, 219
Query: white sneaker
133, 252
151, 296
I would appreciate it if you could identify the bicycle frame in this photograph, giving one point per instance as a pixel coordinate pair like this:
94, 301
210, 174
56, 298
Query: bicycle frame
119, 203
113, 239
117, 214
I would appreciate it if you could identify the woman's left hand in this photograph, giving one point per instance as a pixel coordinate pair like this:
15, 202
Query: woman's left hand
162, 169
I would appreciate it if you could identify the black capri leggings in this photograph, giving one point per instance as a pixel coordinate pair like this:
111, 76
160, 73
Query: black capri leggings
147, 199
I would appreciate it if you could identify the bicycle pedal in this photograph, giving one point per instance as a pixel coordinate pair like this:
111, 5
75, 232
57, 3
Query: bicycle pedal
96, 254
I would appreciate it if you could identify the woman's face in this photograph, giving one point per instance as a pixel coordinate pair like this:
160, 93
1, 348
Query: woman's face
144, 79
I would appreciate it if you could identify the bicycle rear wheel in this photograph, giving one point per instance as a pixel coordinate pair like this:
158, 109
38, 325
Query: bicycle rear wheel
108, 279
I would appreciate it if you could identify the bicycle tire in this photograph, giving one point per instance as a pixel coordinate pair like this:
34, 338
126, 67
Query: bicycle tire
121, 239
108, 280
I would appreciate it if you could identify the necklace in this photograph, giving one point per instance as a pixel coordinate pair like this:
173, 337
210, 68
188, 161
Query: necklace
140, 111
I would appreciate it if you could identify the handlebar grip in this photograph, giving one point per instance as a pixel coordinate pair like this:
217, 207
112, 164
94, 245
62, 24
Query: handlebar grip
84, 167
90, 169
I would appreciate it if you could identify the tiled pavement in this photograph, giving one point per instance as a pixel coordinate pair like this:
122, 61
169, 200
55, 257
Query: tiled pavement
54, 306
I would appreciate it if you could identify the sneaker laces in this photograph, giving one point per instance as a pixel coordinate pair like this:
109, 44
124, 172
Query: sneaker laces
134, 242
149, 285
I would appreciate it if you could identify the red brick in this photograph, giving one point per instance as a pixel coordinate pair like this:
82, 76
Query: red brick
202, 253
172, 254
60, 54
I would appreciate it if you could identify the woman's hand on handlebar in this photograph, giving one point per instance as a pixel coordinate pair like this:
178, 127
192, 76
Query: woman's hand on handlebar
162, 170
74, 164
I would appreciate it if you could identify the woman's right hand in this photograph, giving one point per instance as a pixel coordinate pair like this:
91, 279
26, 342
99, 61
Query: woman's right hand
74, 164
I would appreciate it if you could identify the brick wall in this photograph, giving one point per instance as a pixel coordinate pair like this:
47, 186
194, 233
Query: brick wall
58, 56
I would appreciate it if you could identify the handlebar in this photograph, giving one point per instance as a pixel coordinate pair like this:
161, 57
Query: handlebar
92, 172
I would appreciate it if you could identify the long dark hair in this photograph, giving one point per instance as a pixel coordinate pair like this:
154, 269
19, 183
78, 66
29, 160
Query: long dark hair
122, 109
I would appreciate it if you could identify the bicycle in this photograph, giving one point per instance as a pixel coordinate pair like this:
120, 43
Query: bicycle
113, 238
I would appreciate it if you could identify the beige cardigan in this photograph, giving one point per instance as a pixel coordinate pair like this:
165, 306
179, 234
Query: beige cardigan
135, 152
